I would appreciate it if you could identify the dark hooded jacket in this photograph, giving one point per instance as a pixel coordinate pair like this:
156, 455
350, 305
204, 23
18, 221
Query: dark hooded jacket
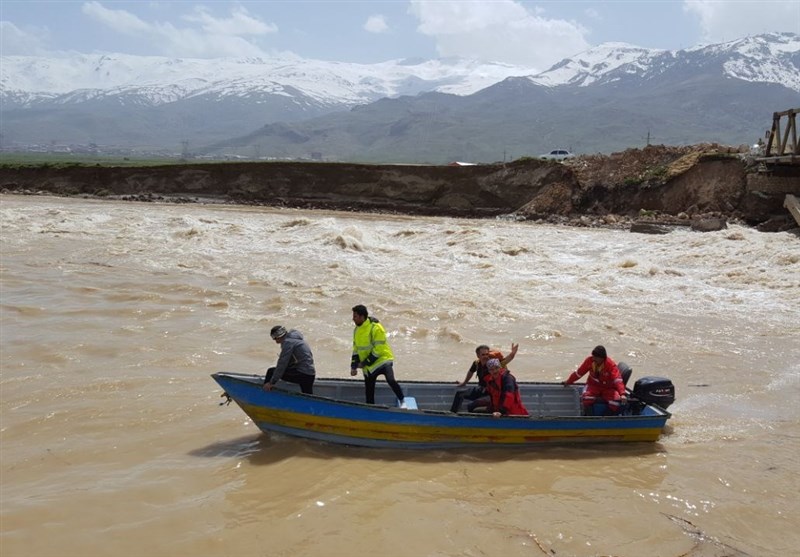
295, 354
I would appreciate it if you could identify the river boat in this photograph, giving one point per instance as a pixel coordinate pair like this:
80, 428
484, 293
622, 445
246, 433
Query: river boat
336, 413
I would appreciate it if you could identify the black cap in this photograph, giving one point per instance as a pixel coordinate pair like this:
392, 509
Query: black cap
599, 352
277, 331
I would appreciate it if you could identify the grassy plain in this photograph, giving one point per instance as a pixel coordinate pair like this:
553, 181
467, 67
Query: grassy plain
63, 160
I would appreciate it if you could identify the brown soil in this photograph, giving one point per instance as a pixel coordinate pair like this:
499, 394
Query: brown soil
658, 183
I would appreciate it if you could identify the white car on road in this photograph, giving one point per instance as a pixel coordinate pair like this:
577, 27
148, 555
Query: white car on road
557, 155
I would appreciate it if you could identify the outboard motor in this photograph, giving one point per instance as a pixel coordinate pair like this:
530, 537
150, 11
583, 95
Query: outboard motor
625, 371
655, 390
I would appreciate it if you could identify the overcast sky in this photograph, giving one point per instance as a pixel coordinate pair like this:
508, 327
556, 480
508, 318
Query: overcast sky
533, 34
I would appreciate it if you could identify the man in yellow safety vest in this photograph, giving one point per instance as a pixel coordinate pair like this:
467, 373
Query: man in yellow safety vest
372, 354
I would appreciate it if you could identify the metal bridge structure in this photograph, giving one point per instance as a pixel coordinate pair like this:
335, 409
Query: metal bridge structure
779, 162
782, 145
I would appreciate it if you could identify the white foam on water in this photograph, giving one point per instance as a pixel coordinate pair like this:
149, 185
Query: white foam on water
114, 313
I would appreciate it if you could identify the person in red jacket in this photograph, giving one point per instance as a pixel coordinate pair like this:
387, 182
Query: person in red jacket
477, 395
604, 382
503, 391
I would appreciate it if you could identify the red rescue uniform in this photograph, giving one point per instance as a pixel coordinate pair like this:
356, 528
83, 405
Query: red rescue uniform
604, 383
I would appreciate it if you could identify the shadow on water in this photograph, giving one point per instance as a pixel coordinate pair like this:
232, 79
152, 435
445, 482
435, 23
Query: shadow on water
236, 448
263, 449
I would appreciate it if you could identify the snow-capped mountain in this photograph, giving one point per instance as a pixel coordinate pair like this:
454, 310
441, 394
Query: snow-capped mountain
158, 80
599, 64
291, 107
769, 58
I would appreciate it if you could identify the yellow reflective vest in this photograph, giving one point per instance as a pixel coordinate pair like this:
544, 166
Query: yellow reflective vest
370, 348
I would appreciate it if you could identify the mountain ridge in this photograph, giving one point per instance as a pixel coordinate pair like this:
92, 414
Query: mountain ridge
33, 75
158, 103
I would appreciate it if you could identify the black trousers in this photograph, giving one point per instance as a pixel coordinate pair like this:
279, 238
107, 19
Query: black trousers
387, 370
291, 375
477, 395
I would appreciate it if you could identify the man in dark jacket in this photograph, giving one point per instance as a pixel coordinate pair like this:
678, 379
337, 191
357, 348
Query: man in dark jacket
295, 363
478, 396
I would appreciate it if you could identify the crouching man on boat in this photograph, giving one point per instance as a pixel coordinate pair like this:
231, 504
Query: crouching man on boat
503, 391
295, 362
478, 396
604, 382
372, 354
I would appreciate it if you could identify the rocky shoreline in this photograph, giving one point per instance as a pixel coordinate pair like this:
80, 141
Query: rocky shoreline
646, 222
651, 190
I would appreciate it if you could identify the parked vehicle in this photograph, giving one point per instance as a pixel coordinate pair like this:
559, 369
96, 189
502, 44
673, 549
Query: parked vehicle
557, 155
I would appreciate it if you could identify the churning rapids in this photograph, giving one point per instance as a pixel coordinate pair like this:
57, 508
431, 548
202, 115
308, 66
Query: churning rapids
114, 314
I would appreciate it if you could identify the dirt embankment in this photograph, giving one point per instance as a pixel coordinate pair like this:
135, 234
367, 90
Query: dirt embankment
657, 183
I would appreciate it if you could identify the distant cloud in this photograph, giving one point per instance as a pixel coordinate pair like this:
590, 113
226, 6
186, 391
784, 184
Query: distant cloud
725, 20
591, 13
376, 24
211, 37
502, 31
18, 42
240, 23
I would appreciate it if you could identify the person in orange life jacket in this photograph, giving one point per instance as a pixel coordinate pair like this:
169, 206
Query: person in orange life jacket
604, 381
372, 354
295, 362
477, 395
503, 391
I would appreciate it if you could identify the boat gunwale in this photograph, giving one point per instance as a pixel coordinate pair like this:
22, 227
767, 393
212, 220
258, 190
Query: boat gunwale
255, 379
